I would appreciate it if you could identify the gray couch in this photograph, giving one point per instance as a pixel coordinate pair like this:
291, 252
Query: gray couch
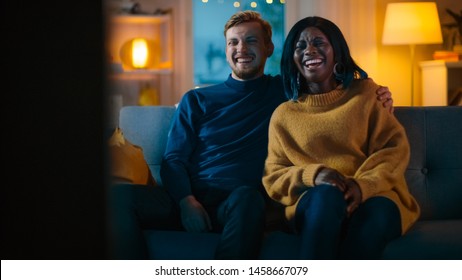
434, 176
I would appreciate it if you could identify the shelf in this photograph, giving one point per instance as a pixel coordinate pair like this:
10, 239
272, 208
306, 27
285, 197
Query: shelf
156, 28
139, 74
126, 84
140, 19
441, 63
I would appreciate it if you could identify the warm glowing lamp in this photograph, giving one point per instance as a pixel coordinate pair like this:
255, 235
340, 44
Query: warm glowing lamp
140, 53
411, 23
137, 53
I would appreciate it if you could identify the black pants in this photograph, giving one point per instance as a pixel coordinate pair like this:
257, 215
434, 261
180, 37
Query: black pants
239, 216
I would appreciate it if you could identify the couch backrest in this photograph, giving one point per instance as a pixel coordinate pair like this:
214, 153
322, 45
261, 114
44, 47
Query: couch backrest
147, 127
434, 174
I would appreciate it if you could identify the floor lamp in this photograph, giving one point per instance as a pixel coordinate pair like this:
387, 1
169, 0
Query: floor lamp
411, 23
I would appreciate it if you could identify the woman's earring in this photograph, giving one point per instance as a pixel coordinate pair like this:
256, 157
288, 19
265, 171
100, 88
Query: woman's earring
339, 71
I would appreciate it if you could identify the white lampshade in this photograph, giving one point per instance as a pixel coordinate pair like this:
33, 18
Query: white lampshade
411, 23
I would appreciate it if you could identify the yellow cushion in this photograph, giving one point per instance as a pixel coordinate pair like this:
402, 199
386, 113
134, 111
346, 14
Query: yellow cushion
128, 164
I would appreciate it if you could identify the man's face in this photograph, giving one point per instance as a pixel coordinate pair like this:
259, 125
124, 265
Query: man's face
246, 51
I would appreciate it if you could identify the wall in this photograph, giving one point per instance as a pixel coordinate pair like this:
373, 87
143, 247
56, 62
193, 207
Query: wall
353, 17
182, 47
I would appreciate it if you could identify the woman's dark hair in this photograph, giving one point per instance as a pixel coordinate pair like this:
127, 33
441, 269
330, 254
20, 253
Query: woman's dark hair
289, 72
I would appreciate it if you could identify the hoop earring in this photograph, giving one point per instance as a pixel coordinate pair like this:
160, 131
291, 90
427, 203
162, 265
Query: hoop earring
339, 71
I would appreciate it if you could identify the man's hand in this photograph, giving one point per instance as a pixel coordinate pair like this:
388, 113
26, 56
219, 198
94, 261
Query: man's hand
193, 215
331, 177
384, 95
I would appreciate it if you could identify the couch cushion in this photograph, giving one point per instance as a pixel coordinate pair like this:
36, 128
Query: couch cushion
279, 245
428, 240
180, 245
433, 174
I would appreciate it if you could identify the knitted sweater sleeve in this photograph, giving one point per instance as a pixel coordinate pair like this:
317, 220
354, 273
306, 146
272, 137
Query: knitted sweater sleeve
388, 155
284, 181
180, 144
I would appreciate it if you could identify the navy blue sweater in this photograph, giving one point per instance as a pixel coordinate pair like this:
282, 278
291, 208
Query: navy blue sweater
219, 136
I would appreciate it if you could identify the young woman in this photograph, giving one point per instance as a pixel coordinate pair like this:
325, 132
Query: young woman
336, 159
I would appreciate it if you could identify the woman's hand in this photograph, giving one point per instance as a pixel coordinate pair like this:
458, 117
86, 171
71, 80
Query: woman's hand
353, 196
331, 177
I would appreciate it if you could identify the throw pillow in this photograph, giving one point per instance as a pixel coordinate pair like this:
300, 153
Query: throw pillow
128, 164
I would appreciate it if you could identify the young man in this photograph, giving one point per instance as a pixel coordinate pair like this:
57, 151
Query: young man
213, 164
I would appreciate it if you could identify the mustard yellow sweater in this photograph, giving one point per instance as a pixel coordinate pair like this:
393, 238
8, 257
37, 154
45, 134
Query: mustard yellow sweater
347, 130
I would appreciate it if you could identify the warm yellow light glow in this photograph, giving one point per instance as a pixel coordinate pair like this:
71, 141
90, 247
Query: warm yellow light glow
140, 53
236, 4
282, 1
253, 4
269, 1
205, 1
411, 23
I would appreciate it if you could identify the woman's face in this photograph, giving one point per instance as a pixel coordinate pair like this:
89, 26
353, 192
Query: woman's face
314, 58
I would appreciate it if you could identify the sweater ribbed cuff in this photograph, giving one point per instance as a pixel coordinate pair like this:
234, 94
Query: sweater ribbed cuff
368, 189
310, 172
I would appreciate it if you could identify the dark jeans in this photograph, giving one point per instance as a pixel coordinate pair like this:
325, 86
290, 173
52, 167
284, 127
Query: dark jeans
239, 216
327, 232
